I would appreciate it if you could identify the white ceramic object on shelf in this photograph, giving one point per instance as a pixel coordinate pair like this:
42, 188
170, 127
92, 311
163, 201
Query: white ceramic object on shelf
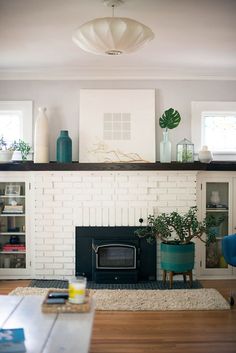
204, 155
41, 137
5, 156
215, 197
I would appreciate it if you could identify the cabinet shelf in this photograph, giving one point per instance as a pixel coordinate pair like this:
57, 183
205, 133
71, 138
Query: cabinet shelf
12, 196
12, 252
12, 214
217, 210
12, 233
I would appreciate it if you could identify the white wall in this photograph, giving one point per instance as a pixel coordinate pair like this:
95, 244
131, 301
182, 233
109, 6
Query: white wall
62, 100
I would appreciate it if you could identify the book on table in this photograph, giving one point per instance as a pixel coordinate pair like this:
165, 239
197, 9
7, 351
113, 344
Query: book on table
12, 340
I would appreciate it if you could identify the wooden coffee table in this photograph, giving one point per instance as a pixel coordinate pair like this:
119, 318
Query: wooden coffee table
46, 333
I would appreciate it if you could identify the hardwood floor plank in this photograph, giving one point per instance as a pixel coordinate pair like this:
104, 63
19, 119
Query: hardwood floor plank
146, 347
7, 286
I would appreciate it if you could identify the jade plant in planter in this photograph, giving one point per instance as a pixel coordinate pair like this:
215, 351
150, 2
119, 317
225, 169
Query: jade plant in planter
176, 233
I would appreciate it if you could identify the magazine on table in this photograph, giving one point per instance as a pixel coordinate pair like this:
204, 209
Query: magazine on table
12, 340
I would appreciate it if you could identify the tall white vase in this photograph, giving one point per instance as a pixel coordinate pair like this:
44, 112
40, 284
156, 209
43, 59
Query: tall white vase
41, 137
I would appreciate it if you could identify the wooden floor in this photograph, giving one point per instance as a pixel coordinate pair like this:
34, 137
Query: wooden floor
161, 332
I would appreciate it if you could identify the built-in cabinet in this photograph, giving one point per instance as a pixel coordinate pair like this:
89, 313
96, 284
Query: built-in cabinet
14, 228
216, 199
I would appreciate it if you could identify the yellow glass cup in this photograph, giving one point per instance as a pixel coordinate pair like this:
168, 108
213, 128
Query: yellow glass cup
77, 290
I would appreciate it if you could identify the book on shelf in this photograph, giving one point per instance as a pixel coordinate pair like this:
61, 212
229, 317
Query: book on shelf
12, 340
211, 206
13, 247
13, 209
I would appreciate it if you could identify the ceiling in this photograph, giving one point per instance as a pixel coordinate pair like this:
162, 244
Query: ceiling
193, 39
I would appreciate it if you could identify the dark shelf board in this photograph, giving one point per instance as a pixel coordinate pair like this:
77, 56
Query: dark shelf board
31, 166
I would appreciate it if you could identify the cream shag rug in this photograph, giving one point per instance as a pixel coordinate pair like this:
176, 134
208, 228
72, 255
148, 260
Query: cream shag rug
136, 300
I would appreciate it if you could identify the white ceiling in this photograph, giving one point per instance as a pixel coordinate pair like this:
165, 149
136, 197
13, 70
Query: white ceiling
193, 39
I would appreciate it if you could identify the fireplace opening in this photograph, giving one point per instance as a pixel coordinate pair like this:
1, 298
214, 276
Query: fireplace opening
114, 255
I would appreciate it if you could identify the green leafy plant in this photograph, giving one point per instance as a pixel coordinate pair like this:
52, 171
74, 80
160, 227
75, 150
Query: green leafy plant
176, 228
170, 119
7, 150
185, 156
23, 147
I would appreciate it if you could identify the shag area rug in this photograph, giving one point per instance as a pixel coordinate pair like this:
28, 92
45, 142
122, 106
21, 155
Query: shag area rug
148, 300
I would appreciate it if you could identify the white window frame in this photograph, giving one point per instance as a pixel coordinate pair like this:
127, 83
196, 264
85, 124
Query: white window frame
197, 108
26, 107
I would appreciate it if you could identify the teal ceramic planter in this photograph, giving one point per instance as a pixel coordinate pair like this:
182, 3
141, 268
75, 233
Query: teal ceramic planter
177, 257
64, 148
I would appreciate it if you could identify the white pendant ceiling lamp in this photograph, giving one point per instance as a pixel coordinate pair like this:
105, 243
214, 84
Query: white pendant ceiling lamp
112, 35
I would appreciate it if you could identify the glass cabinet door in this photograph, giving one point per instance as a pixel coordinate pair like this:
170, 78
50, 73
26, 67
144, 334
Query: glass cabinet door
12, 226
217, 210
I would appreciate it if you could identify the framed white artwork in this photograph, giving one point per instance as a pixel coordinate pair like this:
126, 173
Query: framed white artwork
117, 126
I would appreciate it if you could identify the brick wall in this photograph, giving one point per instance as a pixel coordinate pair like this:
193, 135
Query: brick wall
64, 200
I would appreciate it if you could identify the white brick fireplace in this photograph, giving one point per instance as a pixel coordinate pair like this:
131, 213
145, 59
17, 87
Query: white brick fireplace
64, 200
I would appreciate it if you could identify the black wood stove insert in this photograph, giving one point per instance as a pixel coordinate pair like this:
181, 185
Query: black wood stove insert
114, 255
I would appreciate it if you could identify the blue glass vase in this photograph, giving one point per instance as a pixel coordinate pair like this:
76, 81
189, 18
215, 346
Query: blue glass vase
64, 148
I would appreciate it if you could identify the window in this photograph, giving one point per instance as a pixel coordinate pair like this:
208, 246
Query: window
219, 131
214, 124
16, 121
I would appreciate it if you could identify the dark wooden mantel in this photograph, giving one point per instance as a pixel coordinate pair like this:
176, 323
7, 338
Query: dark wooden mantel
76, 166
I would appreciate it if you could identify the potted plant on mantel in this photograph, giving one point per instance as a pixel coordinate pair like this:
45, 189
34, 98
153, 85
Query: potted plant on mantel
170, 119
6, 152
176, 233
22, 147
